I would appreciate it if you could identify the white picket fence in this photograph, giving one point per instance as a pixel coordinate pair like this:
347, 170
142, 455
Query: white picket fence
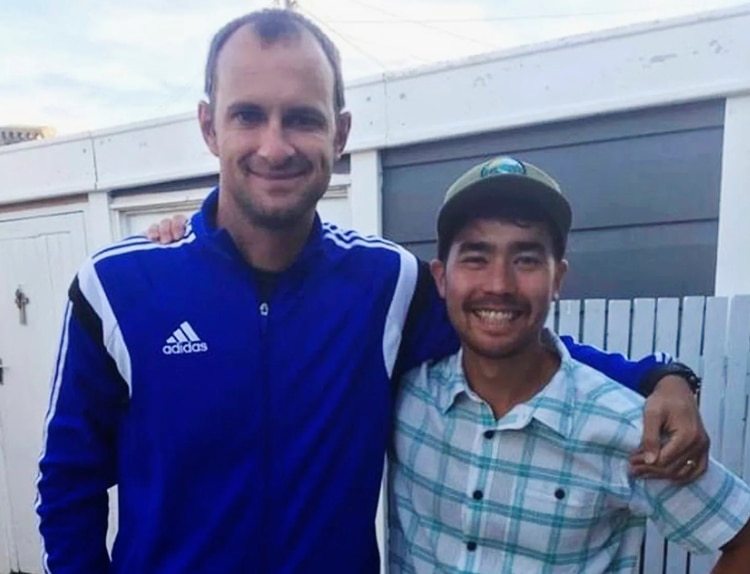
712, 335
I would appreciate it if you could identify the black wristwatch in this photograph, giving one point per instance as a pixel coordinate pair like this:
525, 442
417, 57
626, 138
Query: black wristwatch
656, 374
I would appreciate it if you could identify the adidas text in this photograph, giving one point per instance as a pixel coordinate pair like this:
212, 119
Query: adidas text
182, 348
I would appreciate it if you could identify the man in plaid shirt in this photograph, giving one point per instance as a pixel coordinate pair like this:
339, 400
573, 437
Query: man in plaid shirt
511, 456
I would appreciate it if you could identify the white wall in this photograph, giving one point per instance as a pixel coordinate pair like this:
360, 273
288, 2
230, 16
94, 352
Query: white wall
674, 61
365, 198
152, 152
733, 259
49, 168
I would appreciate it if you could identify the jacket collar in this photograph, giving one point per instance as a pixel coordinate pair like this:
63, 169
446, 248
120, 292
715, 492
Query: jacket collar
204, 226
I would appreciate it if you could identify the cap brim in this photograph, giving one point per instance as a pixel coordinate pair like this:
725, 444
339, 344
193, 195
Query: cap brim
474, 200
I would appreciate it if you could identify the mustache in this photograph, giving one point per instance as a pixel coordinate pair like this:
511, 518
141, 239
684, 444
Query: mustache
507, 302
293, 165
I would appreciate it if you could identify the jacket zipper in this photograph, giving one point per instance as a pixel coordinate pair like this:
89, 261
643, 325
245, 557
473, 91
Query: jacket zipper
264, 310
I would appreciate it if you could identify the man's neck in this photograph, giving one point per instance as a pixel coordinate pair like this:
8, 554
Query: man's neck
265, 248
507, 382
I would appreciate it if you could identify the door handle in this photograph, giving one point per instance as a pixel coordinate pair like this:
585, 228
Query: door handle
1, 371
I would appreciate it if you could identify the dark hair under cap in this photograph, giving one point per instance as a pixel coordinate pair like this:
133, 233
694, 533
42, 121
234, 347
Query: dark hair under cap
518, 212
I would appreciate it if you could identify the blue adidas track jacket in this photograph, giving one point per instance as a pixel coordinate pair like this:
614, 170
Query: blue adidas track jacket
244, 435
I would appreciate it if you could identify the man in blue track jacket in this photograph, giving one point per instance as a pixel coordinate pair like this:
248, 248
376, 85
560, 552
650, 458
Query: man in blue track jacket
237, 384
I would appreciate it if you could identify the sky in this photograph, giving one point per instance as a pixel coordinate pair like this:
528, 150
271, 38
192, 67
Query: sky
82, 65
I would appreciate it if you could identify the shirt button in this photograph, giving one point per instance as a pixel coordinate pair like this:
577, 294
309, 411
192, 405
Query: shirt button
489, 434
478, 495
471, 546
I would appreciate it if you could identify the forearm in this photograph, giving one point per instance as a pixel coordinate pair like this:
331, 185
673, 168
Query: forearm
735, 556
733, 561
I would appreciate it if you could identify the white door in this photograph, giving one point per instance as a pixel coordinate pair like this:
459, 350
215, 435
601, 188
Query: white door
38, 258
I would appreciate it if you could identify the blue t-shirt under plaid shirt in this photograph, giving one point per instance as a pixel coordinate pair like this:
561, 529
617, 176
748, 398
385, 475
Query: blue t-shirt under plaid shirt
545, 488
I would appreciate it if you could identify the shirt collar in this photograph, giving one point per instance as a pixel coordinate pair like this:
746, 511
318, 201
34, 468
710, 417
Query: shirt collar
455, 382
553, 406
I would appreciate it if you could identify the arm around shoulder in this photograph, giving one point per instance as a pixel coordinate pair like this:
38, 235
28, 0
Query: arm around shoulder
616, 366
671, 410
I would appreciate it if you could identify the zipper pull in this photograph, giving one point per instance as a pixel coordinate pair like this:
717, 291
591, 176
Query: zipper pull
264, 309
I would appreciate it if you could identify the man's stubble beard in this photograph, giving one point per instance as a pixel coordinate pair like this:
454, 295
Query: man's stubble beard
522, 346
284, 218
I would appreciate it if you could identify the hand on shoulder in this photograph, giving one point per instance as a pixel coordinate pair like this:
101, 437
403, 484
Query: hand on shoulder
168, 230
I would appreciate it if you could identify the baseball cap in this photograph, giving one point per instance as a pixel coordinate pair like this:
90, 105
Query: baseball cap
509, 181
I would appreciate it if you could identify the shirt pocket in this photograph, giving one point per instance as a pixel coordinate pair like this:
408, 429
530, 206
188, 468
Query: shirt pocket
555, 523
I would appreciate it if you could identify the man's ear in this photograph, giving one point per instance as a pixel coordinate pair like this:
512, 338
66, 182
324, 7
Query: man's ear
343, 127
206, 120
561, 270
437, 268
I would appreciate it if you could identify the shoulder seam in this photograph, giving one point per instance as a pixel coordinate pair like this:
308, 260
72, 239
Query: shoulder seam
140, 244
630, 414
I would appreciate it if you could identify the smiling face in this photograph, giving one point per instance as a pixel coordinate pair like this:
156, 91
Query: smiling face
498, 282
273, 126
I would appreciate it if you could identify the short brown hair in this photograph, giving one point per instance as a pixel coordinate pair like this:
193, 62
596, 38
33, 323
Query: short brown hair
272, 24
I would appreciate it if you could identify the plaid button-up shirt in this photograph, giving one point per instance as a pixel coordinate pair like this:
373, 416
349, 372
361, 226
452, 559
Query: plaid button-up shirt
545, 488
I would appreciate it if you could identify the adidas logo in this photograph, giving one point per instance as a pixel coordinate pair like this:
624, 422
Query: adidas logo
184, 340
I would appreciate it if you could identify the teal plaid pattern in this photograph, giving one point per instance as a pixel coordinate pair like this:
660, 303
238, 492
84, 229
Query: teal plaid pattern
545, 488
